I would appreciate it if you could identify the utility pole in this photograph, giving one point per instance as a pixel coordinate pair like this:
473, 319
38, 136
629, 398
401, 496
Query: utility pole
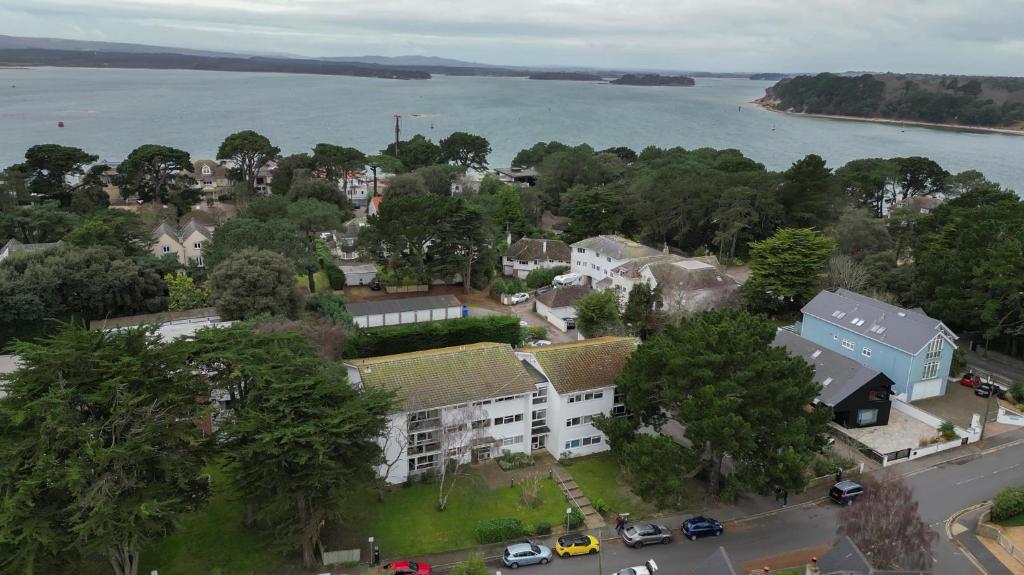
398, 131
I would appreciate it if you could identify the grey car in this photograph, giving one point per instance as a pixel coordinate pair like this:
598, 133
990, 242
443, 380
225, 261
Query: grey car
640, 534
525, 554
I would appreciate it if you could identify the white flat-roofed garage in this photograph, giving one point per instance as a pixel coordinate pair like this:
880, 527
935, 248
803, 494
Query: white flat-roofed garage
407, 310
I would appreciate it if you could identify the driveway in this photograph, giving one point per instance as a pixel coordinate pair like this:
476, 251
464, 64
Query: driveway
525, 312
958, 405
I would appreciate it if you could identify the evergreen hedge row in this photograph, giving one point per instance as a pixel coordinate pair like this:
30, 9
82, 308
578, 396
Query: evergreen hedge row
434, 334
1008, 504
498, 530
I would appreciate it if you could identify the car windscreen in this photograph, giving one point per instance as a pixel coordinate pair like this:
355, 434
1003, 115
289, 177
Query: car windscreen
631, 531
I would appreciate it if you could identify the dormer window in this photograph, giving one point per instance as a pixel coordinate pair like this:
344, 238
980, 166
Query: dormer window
206, 170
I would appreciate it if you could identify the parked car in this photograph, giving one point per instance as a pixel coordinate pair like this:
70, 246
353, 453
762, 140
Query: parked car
645, 534
648, 568
569, 545
846, 492
540, 343
701, 527
520, 297
542, 289
570, 322
375, 284
970, 379
409, 568
525, 554
986, 389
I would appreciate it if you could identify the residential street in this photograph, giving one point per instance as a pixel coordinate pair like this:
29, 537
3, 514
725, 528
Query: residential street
942, 489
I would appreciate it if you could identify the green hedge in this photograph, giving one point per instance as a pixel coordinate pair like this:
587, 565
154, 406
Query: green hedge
576, 518
434, 334
1008, 503
542, 528
335, 276
508, 286
544, 276
509, 461
498, 530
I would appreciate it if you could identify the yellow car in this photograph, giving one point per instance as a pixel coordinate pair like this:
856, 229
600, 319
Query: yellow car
569, 545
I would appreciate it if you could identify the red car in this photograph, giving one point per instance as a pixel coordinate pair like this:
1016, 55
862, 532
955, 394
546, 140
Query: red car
409, 568
970, 380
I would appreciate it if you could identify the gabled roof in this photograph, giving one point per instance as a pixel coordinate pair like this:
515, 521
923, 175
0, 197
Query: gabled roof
582, 365
216, 170
691, 274
838, 375
718, 563
400, 305
616, 247
539, 249
448, 376
844, 557
562, 296
906, 330
631, 269
184, 232
14, 245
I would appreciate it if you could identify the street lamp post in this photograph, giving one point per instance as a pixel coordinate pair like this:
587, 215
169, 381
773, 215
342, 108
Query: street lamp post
568, 513
370, 556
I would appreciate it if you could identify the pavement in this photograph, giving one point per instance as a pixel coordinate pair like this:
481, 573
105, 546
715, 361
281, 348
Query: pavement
757, 528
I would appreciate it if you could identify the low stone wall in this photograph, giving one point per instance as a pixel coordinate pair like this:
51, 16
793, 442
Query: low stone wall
992, 531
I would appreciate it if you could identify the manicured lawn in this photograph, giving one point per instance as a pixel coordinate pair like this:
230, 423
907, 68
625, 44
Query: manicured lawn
599, 477
407, 523
1017, 521
319, 280
212, 540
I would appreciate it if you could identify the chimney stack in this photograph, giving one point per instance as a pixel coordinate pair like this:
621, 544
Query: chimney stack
544, 248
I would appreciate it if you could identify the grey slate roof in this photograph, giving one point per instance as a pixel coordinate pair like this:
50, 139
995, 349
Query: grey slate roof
535, 249
400, 305
906, 330
838, 375
617, 247
562, 296
14, 245
718, 563
844, 557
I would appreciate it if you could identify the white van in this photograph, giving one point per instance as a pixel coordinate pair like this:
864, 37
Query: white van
567, 280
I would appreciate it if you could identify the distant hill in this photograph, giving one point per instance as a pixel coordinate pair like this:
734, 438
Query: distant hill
996, 102
83, 59
653, 80
406, 61
25, 43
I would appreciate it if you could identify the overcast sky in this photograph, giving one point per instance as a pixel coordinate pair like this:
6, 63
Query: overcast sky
945, 36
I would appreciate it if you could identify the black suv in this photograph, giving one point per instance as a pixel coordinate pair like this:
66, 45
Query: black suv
846, 492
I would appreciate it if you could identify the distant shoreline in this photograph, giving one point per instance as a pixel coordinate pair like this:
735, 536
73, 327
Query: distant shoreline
916, 123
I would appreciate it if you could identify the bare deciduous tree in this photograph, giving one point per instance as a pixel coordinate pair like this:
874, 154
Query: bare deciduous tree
393, 447
845, 272
462, 429
886, 526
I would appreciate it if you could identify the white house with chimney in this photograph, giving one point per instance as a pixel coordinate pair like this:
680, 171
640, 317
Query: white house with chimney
528, 254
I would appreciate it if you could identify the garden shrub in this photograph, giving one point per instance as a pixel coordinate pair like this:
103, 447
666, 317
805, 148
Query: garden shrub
335, 276
826, 463
600, 506
434, 334
498, 530
535, 332
947, 430
542, 528
544, 276
576, 518
1008, 503
330, 306
509, 460
1017, 392
508, 286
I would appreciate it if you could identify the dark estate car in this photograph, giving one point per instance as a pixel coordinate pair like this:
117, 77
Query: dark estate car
846, 492
645, 534
700, 527
987, 389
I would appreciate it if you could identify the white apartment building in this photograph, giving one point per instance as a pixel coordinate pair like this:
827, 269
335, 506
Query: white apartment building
596, 258
476, 401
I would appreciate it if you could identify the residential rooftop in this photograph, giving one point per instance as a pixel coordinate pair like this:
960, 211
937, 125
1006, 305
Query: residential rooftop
402, 305
562, 296
529, 249
447, 376
616, 247
904, 329
582, 365
838, 375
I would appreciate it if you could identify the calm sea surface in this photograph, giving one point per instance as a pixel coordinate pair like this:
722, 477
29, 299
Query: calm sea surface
110, 112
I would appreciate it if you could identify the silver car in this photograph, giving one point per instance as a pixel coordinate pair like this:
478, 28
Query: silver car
640, 534
525, 554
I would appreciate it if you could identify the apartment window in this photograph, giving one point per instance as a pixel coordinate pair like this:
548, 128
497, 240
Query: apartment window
480, 403
425, 415
867, 416
848, 344
583, 442
539, 415
619, 397
424, 462
578, 397
166, 249
541, 395
581, 420
508, 398
511, 440
198, 245
481, 423
581, 250
931, 370
609, 260
866, 352
197, 261
524, 263
573, 444
508, 419
934, 348
618, 410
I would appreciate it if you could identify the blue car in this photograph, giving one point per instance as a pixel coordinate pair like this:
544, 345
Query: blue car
525, 554
701, 526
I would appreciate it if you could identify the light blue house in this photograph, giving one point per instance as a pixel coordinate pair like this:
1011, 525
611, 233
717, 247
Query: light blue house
912, 349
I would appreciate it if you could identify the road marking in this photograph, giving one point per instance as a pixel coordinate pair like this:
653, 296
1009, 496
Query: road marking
969, 480
1006, 469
